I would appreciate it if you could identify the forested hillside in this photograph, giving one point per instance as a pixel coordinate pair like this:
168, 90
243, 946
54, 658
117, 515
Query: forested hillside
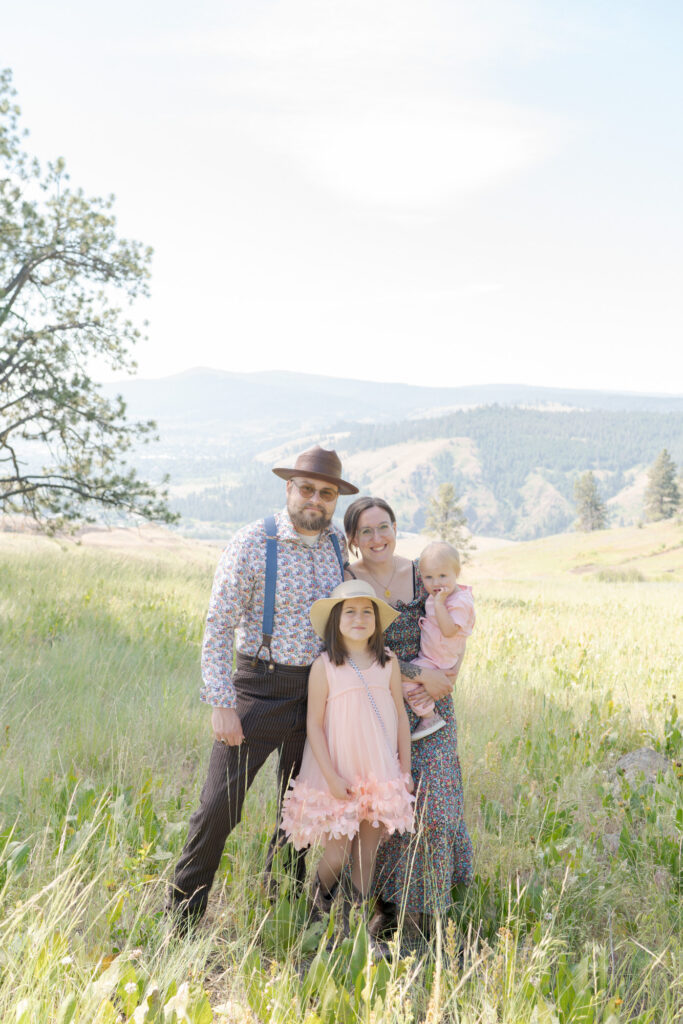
513, 467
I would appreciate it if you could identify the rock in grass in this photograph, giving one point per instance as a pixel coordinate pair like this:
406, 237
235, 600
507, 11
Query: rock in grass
610, 843
638, 768
643, 765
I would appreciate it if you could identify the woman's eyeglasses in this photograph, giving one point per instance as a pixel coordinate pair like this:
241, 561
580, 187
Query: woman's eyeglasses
383, 530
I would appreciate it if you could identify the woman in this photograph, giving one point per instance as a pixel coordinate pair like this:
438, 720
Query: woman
414, 873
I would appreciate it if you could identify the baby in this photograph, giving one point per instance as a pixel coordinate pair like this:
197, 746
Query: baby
444, 630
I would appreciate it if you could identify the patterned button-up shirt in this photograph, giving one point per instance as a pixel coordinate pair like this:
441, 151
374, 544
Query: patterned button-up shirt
235, 617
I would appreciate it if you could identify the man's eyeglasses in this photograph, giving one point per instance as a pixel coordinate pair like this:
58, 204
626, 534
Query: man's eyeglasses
308, 490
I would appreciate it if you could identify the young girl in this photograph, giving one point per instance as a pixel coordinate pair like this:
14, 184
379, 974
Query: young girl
448, 622
355, 784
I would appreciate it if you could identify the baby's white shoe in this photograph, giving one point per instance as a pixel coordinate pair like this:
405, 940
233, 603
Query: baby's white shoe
426, 726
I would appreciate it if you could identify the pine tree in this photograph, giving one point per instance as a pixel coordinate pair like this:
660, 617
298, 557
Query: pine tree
445, 520
65, 279
590, 508
662, 496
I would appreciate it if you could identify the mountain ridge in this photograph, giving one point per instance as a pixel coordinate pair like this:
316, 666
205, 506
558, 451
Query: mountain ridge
513, 461
242, 395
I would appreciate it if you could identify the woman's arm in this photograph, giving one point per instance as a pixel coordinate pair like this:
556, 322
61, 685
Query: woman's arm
403, 723
437, 684
315, 716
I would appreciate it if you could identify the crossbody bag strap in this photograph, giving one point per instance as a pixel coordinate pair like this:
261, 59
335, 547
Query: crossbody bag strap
270, 527
373, 704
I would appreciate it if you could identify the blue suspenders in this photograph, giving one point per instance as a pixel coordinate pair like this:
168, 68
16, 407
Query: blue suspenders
337, 550
270, 527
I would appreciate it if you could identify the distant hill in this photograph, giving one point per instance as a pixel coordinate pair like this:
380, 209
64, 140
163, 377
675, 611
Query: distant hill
512, 451
205, 395
652, 554
515, 467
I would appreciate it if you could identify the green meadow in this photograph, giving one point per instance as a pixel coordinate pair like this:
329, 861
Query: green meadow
575, 912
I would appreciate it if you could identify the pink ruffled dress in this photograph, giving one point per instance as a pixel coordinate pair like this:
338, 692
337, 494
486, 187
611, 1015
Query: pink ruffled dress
360, 753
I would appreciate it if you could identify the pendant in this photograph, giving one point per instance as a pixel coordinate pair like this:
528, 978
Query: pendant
387, 592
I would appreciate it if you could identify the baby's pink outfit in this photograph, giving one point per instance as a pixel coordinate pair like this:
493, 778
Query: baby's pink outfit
361, 754
437, 650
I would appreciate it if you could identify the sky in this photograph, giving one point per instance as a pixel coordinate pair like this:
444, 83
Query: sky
434, 192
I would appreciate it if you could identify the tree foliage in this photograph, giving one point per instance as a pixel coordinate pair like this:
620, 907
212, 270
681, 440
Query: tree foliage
64, 279
590, 508
446, 521
662, 495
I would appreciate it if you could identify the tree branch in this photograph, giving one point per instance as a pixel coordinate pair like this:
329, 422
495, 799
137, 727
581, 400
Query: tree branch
55, 315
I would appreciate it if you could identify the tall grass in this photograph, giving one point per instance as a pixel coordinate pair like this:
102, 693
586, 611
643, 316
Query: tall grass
575, 911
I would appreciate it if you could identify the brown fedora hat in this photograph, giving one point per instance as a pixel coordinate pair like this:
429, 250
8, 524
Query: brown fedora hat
320, 463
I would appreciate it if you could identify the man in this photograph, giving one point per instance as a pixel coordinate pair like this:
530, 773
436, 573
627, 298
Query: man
263, 706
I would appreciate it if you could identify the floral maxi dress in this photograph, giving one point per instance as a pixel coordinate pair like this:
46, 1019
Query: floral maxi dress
417, 872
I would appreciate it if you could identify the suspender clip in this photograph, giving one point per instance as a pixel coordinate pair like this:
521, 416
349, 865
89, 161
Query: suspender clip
268, 656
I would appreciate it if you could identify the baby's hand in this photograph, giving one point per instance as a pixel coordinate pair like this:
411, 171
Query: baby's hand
441, 595
340, 789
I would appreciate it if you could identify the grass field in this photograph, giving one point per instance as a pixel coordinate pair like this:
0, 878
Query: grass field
575, 911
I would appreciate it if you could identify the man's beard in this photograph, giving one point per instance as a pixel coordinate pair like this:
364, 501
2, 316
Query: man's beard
315, 523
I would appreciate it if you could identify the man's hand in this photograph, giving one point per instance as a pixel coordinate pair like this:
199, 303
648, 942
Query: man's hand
226, 726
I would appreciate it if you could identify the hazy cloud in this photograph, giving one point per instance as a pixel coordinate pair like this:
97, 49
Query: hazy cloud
378, 101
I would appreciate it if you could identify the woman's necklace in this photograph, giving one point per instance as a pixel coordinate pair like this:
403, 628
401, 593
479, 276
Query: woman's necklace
386, 586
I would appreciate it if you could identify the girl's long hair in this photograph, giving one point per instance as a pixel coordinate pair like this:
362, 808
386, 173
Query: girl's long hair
334, 641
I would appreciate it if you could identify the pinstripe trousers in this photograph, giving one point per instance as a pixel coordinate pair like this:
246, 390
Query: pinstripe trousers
272, 710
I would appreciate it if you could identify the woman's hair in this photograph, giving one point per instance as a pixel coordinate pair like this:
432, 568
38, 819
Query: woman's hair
439, 549
356, 510
334, 641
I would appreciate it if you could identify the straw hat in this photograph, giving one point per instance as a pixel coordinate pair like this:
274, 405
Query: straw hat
321, 464
320, 610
